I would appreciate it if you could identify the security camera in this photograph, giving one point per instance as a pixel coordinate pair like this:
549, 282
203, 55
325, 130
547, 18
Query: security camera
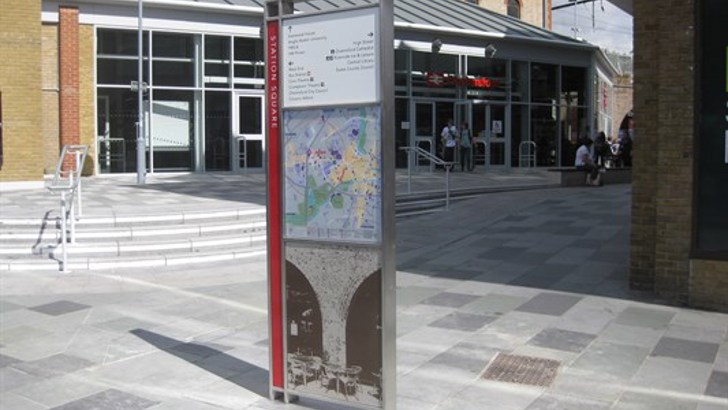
490, 51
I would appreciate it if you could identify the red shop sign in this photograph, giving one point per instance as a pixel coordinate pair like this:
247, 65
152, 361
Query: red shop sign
444, 80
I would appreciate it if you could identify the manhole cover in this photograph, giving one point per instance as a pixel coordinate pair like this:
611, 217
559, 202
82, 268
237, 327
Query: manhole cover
522, 370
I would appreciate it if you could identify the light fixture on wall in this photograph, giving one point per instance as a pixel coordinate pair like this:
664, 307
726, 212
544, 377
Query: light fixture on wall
436, 45
490, 51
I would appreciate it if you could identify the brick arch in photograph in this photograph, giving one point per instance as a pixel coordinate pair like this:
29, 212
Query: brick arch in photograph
335, 274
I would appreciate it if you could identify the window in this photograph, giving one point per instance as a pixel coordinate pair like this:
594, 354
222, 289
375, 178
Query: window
514, 8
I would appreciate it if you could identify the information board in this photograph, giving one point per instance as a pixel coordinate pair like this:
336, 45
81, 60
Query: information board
333, 174
331, 60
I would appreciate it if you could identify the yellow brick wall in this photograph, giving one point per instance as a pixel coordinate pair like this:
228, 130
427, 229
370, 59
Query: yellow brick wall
86, 89
531, 10
49, 77
709, 284
20, 84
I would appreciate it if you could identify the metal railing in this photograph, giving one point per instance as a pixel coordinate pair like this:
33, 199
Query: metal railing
67, 183
420, 153
527, 153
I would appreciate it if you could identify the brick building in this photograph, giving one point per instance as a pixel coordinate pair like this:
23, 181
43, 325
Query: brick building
536, 12
679, 245
71, 65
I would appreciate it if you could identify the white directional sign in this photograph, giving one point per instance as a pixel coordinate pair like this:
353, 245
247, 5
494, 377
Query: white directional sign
331, 59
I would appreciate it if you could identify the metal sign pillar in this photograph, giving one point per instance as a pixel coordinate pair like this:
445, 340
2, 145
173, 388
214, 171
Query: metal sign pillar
331, 190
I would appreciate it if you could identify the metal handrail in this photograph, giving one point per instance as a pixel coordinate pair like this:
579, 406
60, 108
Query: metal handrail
432, 158
528, 157
67, 183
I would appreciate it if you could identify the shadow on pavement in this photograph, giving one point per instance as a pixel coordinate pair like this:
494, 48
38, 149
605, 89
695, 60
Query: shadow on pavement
213, 359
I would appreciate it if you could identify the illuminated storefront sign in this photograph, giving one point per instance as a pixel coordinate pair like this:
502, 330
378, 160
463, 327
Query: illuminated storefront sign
448, 80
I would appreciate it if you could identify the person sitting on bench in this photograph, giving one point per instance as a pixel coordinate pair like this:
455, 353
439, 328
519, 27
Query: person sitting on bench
585, 162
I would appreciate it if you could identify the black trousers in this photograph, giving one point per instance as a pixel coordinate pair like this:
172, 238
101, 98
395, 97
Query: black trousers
466, 160
591, 169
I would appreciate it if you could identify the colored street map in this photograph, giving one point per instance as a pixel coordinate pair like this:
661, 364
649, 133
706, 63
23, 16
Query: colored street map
333, 174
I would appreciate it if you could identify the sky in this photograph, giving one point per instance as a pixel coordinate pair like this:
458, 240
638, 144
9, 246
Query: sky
611, 28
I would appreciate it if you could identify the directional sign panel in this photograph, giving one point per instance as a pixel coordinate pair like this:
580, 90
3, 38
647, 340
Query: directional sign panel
331, 59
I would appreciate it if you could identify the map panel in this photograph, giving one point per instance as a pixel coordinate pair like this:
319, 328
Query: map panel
333, 174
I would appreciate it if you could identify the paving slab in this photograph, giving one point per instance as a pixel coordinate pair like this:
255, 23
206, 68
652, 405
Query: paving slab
540, 273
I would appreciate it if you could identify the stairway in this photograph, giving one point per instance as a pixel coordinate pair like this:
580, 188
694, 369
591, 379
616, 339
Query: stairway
169, 239
134, 241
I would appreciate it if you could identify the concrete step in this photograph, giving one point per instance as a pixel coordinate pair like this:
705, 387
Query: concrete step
52, 219
119, 248
17, 236
144, 261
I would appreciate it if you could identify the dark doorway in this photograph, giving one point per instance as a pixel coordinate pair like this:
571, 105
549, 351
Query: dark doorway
303, 313
363, 330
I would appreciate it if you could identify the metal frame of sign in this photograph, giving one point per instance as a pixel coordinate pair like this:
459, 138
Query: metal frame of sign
276, 12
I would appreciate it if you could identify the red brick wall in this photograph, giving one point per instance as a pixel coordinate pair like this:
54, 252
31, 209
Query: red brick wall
69, 77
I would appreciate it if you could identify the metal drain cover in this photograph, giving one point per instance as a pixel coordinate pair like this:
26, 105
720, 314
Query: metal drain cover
522, 370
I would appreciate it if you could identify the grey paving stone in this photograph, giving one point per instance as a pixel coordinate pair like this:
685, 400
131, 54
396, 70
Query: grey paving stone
468, 356
560, 339
502, 253
10, 400
11, 378
611, 360
111, 399
538, 280
571, 255
412, 295
644, 317
466, 322
60, 307
449, 299
7, 360
553, 304
493, 304
55, 365
551, 401
676, 375
197, 351
686, 349
9, 307
125, 324
643, 401
718, 385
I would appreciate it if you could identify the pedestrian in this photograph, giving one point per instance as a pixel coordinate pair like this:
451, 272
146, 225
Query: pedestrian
601, 149
466, 148
585, 162
449, 136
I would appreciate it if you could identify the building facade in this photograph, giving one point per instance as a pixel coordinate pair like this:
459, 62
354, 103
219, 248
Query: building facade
536, 12
679, 245
519, 86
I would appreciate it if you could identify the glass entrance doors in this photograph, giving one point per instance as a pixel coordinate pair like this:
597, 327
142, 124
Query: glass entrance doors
488, 124
248, 133
424, 135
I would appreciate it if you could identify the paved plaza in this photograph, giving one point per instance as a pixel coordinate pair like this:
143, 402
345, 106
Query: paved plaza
540, 274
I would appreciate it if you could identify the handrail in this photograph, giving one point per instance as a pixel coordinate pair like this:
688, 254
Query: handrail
530, 156
447, 165
67, 182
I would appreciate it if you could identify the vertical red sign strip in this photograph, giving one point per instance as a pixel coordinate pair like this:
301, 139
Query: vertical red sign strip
274, 209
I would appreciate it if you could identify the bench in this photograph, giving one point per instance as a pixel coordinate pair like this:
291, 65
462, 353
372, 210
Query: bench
570, 176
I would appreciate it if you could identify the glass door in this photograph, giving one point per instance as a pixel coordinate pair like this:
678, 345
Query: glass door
496, 126
248, 133
173, 130
425, 131
463, 114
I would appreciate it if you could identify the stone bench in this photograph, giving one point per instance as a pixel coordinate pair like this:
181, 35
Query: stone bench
570, 176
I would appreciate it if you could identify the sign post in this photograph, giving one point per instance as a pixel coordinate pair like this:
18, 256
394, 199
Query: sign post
330, 89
